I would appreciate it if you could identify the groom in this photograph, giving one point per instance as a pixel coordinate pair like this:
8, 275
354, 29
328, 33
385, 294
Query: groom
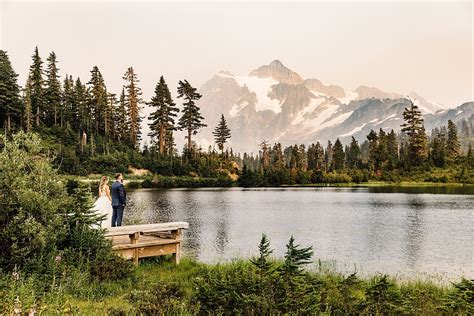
119, 197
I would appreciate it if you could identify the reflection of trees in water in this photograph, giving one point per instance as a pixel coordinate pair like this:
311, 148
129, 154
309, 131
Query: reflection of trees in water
222, 225
414, 229
191, 208
162, 211
148, 206
377, 236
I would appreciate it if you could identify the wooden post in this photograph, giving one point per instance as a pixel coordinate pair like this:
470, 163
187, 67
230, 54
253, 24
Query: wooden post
134, 240
176, 257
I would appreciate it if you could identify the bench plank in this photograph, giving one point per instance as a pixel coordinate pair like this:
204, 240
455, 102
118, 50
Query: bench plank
147, 228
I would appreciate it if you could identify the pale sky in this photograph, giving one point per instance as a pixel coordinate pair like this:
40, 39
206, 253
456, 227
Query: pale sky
425, 47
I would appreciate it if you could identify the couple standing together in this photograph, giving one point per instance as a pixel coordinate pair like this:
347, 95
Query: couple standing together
111, 202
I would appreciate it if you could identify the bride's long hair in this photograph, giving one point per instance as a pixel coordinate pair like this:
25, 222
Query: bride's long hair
103, 182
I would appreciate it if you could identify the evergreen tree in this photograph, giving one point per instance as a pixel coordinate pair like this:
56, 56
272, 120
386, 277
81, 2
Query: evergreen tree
319, 157
97, 102
121, 120
382, 151
392, 149
438, 151
262, 262
162, 120
37, 87
453, 142
133, 102
353, 157
52, 91
82, 111
110, 115
311, 157
295, 258
170, 145
328, 155
373, 139
9, 93
338, 155
413, 127
27, 110
221, 134
265, 154
191, 119
277, 158
68, 114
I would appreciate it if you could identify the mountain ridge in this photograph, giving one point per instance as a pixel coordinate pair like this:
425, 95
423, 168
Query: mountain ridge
275, 103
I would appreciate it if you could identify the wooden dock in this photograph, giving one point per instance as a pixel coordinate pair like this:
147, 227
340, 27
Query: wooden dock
150, 240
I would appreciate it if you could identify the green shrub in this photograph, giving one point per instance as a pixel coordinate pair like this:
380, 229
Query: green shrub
336, 177
460, 300
147, 183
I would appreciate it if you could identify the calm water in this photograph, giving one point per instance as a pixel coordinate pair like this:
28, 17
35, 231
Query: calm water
406, 232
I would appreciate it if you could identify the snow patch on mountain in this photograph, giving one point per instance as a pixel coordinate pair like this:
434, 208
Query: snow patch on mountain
261, 87
350, 96
387, 118
355, 130
236, 108
300, 117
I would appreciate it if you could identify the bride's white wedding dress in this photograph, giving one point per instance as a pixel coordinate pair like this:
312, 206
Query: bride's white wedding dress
103, 206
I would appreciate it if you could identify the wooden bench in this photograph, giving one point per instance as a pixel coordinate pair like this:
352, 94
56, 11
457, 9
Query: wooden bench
149, 240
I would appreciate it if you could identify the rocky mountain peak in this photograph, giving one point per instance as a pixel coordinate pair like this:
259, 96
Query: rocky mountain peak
279, 72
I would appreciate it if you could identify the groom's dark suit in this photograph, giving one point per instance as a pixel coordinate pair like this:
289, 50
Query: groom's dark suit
119, 197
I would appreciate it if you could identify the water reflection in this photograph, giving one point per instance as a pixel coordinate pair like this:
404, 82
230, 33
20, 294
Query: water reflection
191, 214
414, 229
403, 233
221, 222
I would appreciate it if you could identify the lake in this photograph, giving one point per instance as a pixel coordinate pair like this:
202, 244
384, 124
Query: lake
406, 232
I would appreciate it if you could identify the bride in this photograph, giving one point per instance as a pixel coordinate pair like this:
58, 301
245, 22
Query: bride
103, 205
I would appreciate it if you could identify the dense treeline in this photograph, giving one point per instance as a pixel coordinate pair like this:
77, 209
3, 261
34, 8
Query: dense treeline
382, 156
93, 130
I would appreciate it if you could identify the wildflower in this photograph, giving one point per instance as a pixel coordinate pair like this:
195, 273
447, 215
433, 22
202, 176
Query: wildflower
58, 259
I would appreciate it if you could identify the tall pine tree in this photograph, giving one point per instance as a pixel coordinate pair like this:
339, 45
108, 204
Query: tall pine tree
37, 87
353, 154
52, 91
191, 119
338, 155
133, 101
162, 119
221, 134
27, 110
121, 119
417, 140
9, 93
453, 143
97, 102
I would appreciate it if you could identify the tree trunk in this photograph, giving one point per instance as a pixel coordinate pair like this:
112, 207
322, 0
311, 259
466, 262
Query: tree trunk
189, 140
37, 116
9, 122
162, 139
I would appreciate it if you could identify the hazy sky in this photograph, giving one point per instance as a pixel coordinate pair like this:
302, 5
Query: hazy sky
425, 47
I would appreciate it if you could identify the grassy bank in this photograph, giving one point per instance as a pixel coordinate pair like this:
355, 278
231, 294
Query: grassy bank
157, 287
159, 181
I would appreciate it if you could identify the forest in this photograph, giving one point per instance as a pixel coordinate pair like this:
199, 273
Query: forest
92, 130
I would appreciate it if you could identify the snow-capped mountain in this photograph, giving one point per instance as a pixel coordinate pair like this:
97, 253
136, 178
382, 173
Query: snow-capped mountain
276, 104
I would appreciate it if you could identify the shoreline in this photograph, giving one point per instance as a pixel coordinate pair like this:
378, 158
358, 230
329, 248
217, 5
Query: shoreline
138, 181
